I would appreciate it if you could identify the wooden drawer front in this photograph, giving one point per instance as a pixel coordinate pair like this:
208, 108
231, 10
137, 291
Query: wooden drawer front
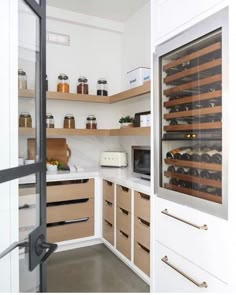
123, 220
108, 211
108, 191
25, 191
71, 231
170, 280
207, 248
142, 257
123, 243
73, 191
142, 232
123, 197
142, 205
70, 211
108, 231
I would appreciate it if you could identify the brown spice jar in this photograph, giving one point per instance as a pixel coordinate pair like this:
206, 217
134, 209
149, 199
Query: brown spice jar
82, 88
25, 120
63, 87
69, 122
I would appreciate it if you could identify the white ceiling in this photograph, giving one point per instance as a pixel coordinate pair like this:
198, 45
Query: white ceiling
117, 10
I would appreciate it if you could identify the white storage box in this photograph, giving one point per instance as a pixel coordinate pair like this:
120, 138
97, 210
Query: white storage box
138, 76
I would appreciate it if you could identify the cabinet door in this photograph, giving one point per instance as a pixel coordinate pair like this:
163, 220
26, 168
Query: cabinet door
177, 274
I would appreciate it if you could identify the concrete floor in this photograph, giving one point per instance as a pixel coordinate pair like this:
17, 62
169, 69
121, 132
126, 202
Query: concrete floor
91, 269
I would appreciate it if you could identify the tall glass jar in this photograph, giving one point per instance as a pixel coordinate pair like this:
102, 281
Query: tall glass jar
63, 83
91, 122
82, 87
102, 87
69, 121
22, 79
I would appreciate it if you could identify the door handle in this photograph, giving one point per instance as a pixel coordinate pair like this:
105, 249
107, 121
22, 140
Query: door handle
51, 248
13, 246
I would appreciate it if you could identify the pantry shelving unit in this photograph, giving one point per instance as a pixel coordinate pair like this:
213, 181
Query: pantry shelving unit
135, 131
124, 95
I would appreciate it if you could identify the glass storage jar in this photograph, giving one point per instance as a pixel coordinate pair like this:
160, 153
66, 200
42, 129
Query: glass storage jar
69, 121
22, 79
49, 121
102, 87
91, 122
25, 120
82, 87
63, 83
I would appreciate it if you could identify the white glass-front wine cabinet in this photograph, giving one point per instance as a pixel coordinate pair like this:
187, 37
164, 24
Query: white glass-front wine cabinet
190, 86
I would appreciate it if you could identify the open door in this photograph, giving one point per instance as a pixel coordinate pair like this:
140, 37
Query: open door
23, 246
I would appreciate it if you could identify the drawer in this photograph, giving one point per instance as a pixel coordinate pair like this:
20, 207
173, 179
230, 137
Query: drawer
70, 190
123, 220
123, 197
142, 205
85, 208
142, 231
108, 191
123, 243
142, 257
176, 276
108, 231
71, 231
206, 248
27, 190
108, 211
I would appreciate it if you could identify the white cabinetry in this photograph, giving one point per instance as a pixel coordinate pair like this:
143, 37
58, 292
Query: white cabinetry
169, 15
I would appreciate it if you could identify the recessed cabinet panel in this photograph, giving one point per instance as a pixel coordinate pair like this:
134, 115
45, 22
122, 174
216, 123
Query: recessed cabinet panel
142, 205
123, 197
108, 190
123, 243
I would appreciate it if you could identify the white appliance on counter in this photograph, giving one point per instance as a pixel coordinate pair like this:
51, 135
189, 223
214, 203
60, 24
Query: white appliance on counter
114, 159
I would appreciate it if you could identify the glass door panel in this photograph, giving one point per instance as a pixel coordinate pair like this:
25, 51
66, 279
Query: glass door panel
191, 118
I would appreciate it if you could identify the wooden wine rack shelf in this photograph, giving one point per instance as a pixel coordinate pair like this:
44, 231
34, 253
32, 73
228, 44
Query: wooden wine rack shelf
194, 70
192, 164
195, 98
194, 55
195, 126
198, 83
191, 192
197, 112
195, 179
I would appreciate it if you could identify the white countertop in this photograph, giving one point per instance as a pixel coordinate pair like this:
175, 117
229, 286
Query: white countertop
117, 175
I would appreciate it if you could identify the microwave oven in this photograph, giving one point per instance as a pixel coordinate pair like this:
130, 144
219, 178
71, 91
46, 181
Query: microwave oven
141, 161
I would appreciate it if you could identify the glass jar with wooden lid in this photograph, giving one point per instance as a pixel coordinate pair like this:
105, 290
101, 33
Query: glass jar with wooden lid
69, 121
91, 122
63, 83
82, 87
25, 120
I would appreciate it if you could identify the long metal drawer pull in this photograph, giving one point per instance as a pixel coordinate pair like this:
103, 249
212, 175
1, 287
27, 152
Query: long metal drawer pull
199, 285
203, 227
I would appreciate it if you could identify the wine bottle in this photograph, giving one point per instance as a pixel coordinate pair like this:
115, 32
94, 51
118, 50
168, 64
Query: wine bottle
211, 175
197, 152
180, 170
174, 181
178, 108
171, 154
212, 156
193, 172
171, 169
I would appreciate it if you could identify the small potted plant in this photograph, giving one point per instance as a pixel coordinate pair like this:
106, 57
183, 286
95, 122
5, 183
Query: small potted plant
126, 121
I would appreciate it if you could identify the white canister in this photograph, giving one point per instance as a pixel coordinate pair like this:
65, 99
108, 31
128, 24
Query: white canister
143, 121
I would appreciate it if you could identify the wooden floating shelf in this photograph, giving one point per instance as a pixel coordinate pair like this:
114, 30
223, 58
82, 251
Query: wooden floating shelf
191, 192
195, 98
195, 70
198, 83
194, 126
136, 131
195, 179
194, 55
134, 92
192, 164
197, 112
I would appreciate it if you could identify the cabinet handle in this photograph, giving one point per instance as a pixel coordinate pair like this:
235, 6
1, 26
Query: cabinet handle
199, 285
125, 189
144, 249
145, 197
109, 183
108, 223
25, 206
124, 235
203, 227
143, 222
109, 204
123, 211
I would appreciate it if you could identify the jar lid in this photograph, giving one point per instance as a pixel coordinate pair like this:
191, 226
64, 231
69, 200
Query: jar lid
102, 81
82, 79
21, 72
63, 77
25, 115
91, 117
49, 116
69, 116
